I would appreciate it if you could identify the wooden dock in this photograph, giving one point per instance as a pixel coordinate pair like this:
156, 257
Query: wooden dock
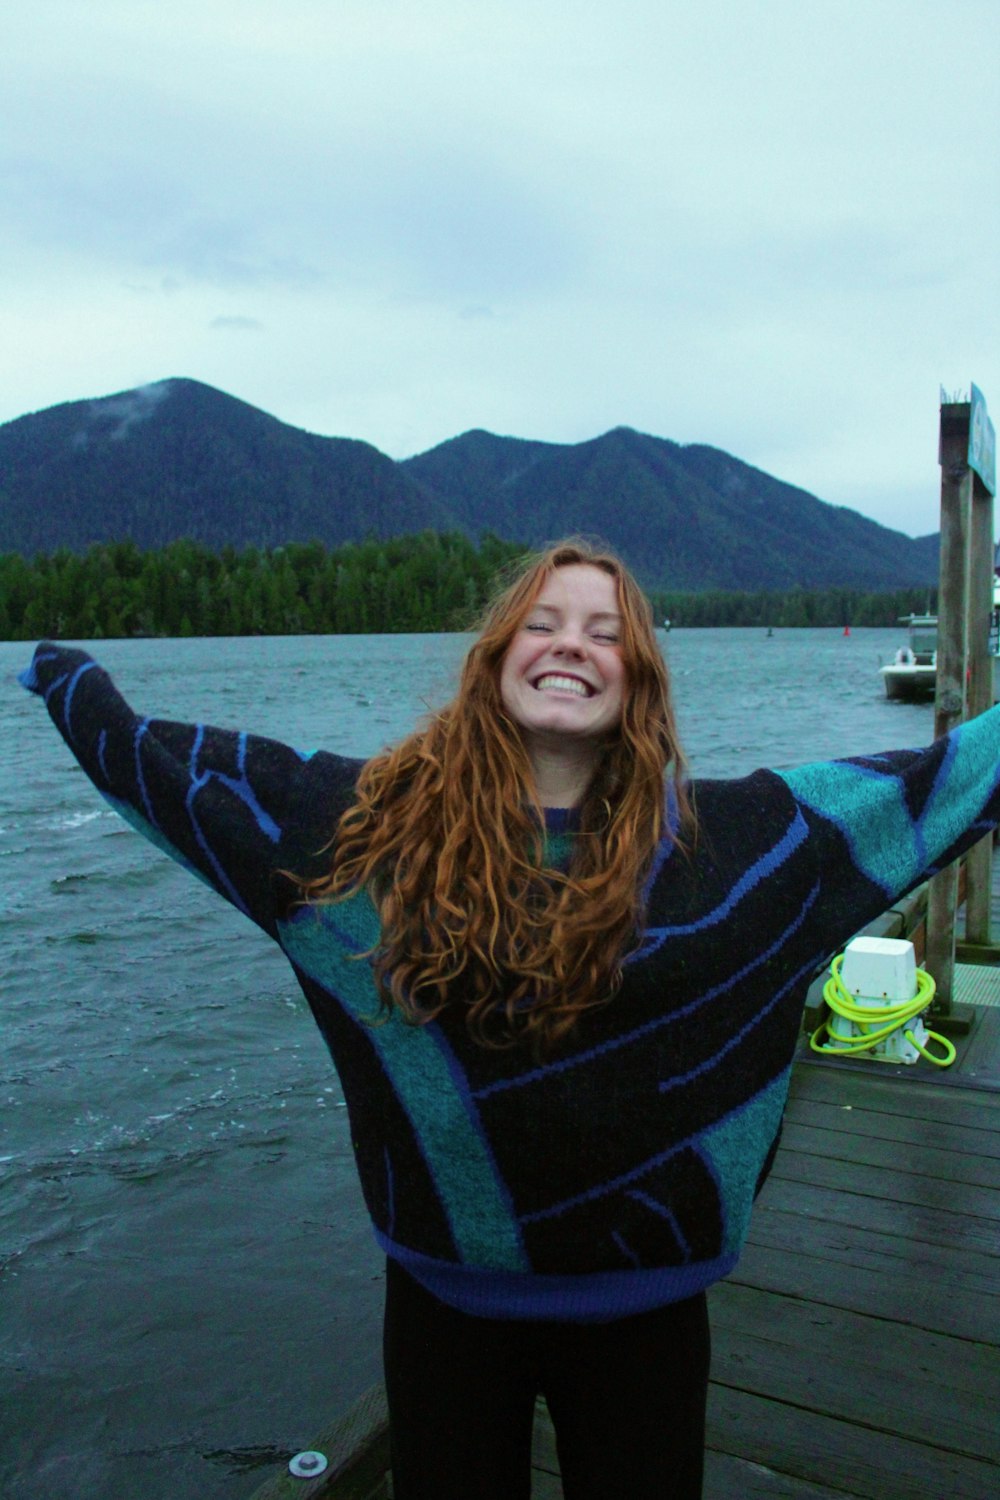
857, 1345
856, 1348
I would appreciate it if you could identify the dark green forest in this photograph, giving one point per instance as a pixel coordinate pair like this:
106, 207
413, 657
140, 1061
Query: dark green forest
835, 606
416, 583
426, 582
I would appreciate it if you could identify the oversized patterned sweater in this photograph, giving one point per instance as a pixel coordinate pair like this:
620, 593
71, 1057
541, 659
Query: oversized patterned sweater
619, 1174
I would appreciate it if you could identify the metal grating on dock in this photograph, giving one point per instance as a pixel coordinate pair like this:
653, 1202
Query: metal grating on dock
977, 984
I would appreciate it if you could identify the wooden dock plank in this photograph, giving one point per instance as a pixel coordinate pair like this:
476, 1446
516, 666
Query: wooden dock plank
857, 1342
784, 1221
842, 1363
356, 1447
731, 1478
897, 1142
914, 1221
896, 1184
941, 1299
858, 1461
877, 1087
727, 1476
981, 1060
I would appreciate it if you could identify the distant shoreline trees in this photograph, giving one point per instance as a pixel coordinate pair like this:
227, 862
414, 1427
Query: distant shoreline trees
793, 607
426, 582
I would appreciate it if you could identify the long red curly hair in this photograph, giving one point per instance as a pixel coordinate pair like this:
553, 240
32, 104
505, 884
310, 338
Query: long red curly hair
447, 836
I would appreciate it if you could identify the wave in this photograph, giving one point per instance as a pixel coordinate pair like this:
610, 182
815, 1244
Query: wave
78, 819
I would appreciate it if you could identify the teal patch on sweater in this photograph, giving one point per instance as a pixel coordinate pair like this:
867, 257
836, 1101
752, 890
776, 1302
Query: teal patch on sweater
972, 765
146, 828
558, 849
870, 810
321, 941
734, 1150
887, 844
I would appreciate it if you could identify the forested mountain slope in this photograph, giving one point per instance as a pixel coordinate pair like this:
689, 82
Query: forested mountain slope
181, 459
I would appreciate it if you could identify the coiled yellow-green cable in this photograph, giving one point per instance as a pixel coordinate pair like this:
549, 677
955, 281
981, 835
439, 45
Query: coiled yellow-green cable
879, 1021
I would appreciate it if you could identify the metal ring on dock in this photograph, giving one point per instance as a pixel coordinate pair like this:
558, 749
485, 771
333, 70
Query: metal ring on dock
308, 1464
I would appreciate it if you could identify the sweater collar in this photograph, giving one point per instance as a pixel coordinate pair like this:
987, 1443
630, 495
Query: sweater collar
561, 819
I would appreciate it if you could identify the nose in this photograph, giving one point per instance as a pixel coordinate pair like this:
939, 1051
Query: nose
569, 641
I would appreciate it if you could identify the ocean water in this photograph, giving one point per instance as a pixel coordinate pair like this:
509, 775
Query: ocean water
188, 1285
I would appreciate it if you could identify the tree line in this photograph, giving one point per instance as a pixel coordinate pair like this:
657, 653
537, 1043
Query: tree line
793, 607
425, 582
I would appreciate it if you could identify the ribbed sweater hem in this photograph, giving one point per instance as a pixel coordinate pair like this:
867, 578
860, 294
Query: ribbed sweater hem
596, 1297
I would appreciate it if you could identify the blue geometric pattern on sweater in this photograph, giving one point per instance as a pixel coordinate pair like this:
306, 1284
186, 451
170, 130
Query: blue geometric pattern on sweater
323, 942
740, 1035
672, 1017
240, 786
667, 842
68, 700
149, 827
654, 937
607, 1188
142, 729
736, 1145
887, 842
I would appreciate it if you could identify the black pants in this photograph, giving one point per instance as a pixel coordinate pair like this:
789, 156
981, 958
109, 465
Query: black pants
627, 1400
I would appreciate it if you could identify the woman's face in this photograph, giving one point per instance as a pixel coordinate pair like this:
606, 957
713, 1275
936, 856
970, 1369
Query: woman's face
563, 675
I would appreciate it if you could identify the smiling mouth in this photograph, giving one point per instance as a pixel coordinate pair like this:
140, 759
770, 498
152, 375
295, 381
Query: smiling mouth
553, 682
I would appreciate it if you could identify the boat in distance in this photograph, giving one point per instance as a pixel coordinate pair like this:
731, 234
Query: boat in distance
912, 676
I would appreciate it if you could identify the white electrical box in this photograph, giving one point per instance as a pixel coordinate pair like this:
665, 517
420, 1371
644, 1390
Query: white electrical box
883, 970
880, 973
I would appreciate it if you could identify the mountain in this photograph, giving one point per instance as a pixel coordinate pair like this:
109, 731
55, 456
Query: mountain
179, 458
688, 517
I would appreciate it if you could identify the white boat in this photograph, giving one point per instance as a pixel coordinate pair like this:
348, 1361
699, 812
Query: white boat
913, 675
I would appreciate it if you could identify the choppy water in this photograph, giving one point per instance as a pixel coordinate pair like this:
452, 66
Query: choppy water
188, 1283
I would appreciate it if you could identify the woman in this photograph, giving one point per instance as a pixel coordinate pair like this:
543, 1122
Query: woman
562, 1003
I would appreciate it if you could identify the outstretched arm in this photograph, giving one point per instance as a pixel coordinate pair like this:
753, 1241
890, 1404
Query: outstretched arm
214, 799
881, 824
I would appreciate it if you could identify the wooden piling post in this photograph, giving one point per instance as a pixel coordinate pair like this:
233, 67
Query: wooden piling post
964, 666
952, 652
980, 697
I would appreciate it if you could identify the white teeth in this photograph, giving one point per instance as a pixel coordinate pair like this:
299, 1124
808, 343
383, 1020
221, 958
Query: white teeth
562, 685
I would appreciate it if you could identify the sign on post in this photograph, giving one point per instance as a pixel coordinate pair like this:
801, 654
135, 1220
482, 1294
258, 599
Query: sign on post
982, 442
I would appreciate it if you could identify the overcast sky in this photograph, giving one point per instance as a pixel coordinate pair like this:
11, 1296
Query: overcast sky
767, 225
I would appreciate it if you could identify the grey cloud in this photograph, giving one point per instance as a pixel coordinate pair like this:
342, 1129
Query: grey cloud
121, 212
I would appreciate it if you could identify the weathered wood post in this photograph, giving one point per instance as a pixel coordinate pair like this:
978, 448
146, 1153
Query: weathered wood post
964, 667
979, 697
